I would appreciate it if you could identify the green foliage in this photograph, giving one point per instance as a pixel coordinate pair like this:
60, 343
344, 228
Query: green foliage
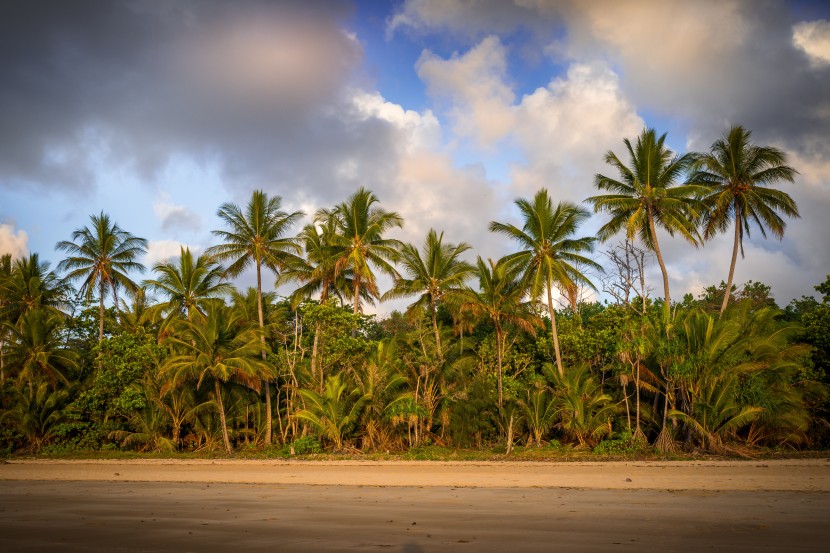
624, 444
306, 445
582, 409
334, 412
125, 360
473, 418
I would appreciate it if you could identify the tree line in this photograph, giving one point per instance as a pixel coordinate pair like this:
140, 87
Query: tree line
483, 356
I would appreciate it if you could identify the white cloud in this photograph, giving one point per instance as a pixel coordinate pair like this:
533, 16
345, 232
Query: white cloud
423, 184
813, 37
13, 242
173, 216
566, 128
164, 250
475, 83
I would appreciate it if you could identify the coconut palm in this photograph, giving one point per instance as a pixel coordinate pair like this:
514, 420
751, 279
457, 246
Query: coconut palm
550, 255
436, 274
359, 242
258, 236
219, 348
102, 255
318, 274
36, 350
739, 176
29, 284
646, 197
187, 285
500, 299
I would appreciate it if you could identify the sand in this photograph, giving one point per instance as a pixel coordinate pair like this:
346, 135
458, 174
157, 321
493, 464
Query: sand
156, 505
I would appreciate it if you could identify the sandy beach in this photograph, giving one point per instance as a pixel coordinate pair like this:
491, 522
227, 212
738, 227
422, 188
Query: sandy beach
221, 505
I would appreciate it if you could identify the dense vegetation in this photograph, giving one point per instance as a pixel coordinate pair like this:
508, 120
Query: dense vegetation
91, 358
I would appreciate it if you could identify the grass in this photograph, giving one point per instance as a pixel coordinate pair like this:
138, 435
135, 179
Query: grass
426, 453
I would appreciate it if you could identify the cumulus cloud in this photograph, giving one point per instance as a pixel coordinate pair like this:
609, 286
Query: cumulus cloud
475, 85
13, 242
173, 216
566, 127
670, 59
159, 251
813, 37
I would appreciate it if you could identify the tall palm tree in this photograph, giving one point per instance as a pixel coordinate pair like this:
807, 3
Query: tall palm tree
646, 197
319, 274
359, 243
188, 285
437, 274
316, 271
258, 236
550, 254
500, 300
102, 254
218, 347
739, 176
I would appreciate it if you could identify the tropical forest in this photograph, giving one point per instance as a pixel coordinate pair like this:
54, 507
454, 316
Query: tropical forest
565, 346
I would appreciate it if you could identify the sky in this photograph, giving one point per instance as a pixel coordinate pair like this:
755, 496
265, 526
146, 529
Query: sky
157, 112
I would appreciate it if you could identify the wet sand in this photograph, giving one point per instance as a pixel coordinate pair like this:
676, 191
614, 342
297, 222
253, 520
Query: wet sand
413, 507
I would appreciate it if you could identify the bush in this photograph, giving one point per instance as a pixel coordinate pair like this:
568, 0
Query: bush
303, 446
624, 444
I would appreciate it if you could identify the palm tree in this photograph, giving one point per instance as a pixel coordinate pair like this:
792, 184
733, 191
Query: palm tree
218, 347
318, 274
257, 235
29, 285
739, 176
36, 348
102, 255
188, 285
437, 274
550, 254
645, 197
359, 243
500, 299
335, 411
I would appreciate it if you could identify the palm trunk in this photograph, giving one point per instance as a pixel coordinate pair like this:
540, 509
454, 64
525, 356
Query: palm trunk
100, 325
268, 423
435, 329
356, 302
667, 297
734, 260
218, 392
324, 296
638, 431
555, 333
499, 340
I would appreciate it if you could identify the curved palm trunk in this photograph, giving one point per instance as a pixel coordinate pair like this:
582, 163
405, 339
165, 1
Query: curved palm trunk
218, 391
268, 422
735, 248
667, 297
555, 333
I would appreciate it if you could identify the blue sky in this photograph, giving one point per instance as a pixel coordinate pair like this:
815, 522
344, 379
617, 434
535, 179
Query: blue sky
157, 113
